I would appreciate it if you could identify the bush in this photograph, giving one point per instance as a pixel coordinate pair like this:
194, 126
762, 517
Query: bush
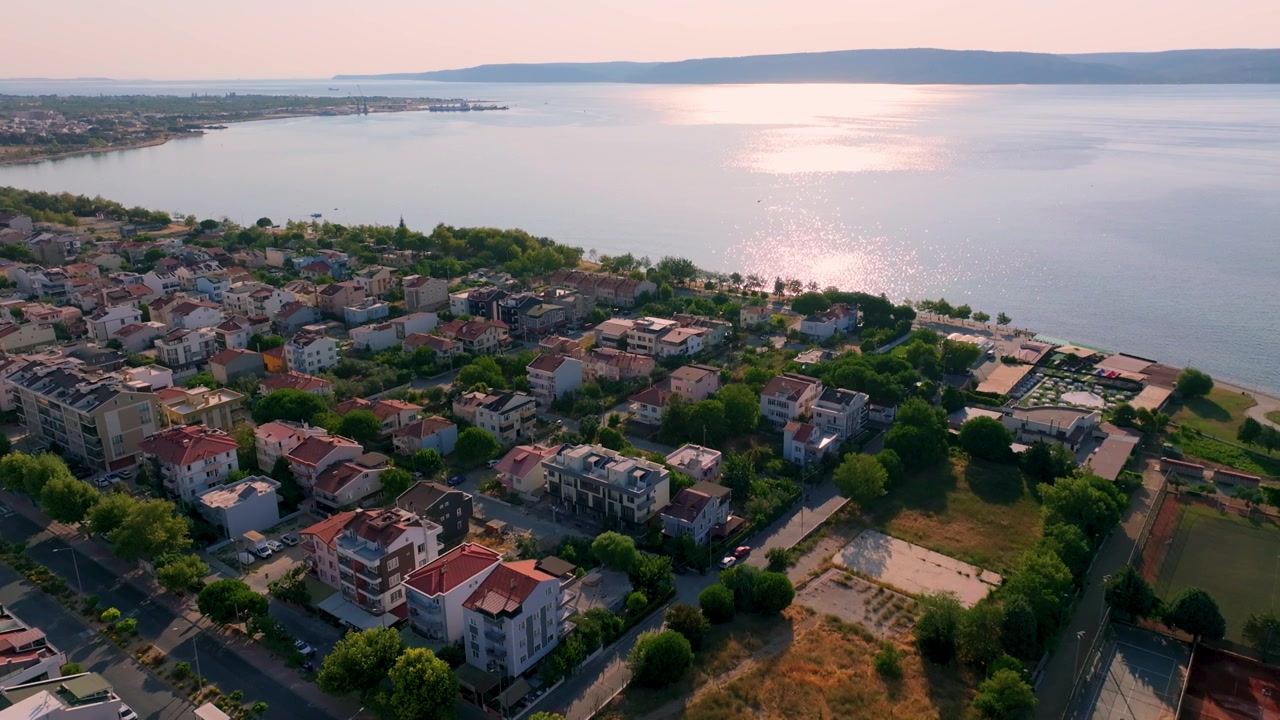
71, 668
937, 628
259, 708
779, 558
128, 625
773, 593
888, 661
182, 671
716, 602
1005, 696
109, 615
636, 602
660, 659
690, 622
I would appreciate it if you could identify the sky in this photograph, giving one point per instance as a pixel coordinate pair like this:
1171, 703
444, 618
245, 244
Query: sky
183, 39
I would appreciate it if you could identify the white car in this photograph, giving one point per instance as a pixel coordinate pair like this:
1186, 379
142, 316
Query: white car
127, 713
289, 539
274, 545
262, 552
728, 562
493, 463
304, 648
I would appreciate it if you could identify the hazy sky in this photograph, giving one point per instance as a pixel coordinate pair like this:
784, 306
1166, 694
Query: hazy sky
184, 39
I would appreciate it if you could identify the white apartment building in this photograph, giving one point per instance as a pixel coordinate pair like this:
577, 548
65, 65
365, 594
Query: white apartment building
696, 511
105, 322
643, 335
596, 481
181, 349
437, 590
551, 376
190, 460
425, 293
788, 397
309, 353
513, 619
840, 412
253, 298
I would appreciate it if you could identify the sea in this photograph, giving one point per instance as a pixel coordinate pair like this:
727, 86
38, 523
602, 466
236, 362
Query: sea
1142, 219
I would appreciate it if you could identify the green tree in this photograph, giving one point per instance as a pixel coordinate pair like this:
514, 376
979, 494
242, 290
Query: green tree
6, 446
292, 587
952, 399
741, 409
918, 435
1069, 543
1195, 612
544, 715
1129, 594
1018, 633
1250, 431
153, 528
475, 446
938, 627
892, 464
202, 379
1043, 462
423, 687
615, 550
264, 222
288, 404
291, 494
1005, 695
660, 659
395, 482
978, 635
360, 425
1003, 320
986, 438
675, 418
109, 513
707, 420
428, 462
773, 593
29, 473
1124, 415
1193, 383
1045, 582
981, 317
636, 602
741, 579
230, 601
1262, 631
958, 357
179, 572
689, 621
611, 438
737, 474
263, 343
484, 370
1088, 502
861, 478
652, 575
68, 500
717, 604
359, 661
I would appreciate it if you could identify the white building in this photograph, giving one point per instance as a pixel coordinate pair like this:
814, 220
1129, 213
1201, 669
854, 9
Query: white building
643, 335
365, 311
425, 293
695, 511
840, 412
374, 338
105, 322
596, 481
273, 440
513, 619
309, 353
190, 459
789, 396
805, 443
253, 298
697, 462
824, 325
250, 504
551, 376
436, 591
182, 349
419, 322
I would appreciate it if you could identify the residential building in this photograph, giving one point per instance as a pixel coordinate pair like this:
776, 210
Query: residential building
162, 283
365, 311
602, 483
25, 653
607, 289
560, 345
520, 470
273, 360
643, 335
194, 314
697, 462
460, 302
294, 316
313, 269
252, 504
104, 322
294, 381
349, 483
429, 433
375, 280
696, 510
304, 291
552, 376
513, 619
682, 342
393, 414
137, 337
840, 412
616, 334
95, 357
374, 338
826, 324
648, 404
220, 409
190, 459
478, 337
365, 554
308, 352
614, 365
813, 356
443, 347
805, 443
14, 337
788, 397
97, 418
87, 696
318, 453
717, 331
152, 377
437, 590
419, 322
17, 222
425, 293
255, 298
450, 508
1064, 425
695, 382
184, 349
229, 366
273, 440
332, 298
508, 416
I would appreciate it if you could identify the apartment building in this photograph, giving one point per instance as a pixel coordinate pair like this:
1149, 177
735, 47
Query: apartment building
514, 618
190, 460
252, 504
365, 311
717, 331
429, 433
334, 297
273, 440
184, 349
614, 365
789, 396
425, 293
607, 289
294, 316
437, 590
805, 443
418, 322
520, 470
450, 508
255, 298
374, 338
316, 454
393, 414
309, 352
508, 416
602, 483
552, 376
696, 511
98, 418
15, 337
350, 482
374, 279
840, 412
643, 335
105, 322
695, 382
697, 462
229, 366
194, 314
682, 342
615, 334
86, 696
478, 337
826, 324
220, 409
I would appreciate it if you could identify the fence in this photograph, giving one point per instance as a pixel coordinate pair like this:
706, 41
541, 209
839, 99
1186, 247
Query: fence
1092, 664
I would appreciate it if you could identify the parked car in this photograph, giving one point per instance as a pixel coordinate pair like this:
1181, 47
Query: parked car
262, 552
304, 648
275, 546
289, 539
127, 473
728, 562
127, 713
493, 463
742, 551
108, 480
456, 480
245, 558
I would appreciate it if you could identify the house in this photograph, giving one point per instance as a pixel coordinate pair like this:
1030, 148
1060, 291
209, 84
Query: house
616, 334
332, 298
560, 345
365, 311
648, 404
425, 293
184, 349
190, 459
309, 352
840, 412
273, 360
393, 414
315, 269
16, 222
294, 316
788, 397
460, 303
152, 377
478, 337
220, 408
606, 289
95, 357
255, 298
273, 440
520, 470
86, 696
642, 337
104, 322
419, 322
601, 483
14, 337
349, 483
105, 261
682, 342
614, 365
697, 462
162, 283
694, 511
806, 443
194, 314
1064, 425
717, 331
375, 280
508, 416
552, 376
295, 381
304, 291
137, 337
25, 655
813, 356
317, 453
442, 347
365, 554
825, 325
251, 504
374, 338
436, 591
278, 257
513, 619
429, 433
695, 382
229, 366
448, 507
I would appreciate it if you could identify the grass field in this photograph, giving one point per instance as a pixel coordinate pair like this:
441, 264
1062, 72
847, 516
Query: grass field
1274, 416
972, 510
1207, 448
1218, 415
1236, 559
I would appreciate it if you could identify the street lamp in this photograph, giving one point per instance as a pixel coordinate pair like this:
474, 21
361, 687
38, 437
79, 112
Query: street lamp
75, 564
1079, 641
195, 650
1103, 602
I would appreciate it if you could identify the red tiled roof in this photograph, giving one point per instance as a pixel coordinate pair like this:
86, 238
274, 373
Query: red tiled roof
337, 476
654, 395
509, 585
790, 386
547, 363
316, 266
328, 529
273, 432
424, 428
294, 381
382, 409
227, 356
187, 444
314, 449
452, 569
523, 458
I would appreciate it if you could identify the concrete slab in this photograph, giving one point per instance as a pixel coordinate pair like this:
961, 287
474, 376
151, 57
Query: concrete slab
915, 569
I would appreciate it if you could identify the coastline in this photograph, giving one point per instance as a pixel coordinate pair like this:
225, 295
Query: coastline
95, 151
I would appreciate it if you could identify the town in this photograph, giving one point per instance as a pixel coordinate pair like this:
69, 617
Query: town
306, 470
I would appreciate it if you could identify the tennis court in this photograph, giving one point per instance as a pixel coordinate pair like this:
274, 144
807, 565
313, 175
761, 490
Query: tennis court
1229, 687
1137, 675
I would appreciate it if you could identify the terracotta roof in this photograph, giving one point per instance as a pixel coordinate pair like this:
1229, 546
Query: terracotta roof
316, 266
654, 395
509, 585
788, 386
130, 329
185, 445
273, 432
693, 373
687, 505
330, 528
470, 329
227, 356
802, 432
314, 449
424, 428
524, 458
338, 476
452, 569
382, 409
547, 363
294, 381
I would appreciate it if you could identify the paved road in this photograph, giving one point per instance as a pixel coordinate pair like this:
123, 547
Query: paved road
149, 696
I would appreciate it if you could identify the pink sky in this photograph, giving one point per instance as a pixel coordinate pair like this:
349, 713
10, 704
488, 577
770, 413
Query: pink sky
183, 39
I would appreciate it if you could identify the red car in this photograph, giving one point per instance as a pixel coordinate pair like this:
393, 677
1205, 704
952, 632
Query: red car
742, 551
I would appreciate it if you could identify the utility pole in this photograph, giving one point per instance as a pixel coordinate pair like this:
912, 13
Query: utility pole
75, 564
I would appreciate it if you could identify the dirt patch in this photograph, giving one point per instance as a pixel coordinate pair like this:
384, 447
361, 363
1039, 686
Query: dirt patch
887, 614
916, 569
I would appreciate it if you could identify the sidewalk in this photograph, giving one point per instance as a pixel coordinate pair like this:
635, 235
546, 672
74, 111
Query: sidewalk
251, 653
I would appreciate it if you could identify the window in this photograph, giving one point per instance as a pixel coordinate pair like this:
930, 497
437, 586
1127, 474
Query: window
397, 595
393, 563
421, 548
395, 580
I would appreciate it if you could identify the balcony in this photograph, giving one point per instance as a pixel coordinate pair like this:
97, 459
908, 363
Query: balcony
495, 635
495, 650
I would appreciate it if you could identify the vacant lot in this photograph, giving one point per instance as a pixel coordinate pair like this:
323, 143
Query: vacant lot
1218, 415
887, 614
1207, 448
972, 510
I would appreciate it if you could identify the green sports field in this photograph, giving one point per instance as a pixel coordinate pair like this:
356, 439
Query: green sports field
1235, 559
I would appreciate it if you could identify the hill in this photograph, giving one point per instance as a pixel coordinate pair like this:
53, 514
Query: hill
907, 66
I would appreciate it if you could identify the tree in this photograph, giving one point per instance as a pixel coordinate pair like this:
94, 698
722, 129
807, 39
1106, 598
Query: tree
1043, 462
958, 357
1018, 632
810, 303
1088, 502
484, 370
779, 558
29, 473
952, 399
230, 601
660, 659
978, 635
741, 579
737, 474
707, 420
615, 550
741, 409
1069, 543
6, 446
636, 602
288, 404
652, 575
290, 491
986, 438
1250, 431
428, 462
773, 593
689, 621
360, 425
359, 661
264, 222
68, 500
395, 482
1195, 612
544, 715
981, 317
263, 343
1193, 383
475, 446
938, 626
151, 529
611, 438
1003, 320
717, 604
292, 587
1129, 594
423, 687
1262, 631
109, 513
861, 478
1045, 582
202, 379
180, 572
892, 464
918, 435
1005, 695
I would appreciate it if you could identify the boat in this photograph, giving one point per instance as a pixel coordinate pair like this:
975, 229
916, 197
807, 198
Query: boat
489, 107
458, 107
316, 215
334, 89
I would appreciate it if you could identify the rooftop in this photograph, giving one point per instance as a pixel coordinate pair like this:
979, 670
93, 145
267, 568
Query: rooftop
187, 444
506, 588
452, 569
227, 496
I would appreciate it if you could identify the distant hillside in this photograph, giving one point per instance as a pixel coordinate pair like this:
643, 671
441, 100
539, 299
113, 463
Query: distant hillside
911, 66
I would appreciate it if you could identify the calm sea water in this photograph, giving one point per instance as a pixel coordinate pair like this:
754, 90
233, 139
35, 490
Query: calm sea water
1142, 219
